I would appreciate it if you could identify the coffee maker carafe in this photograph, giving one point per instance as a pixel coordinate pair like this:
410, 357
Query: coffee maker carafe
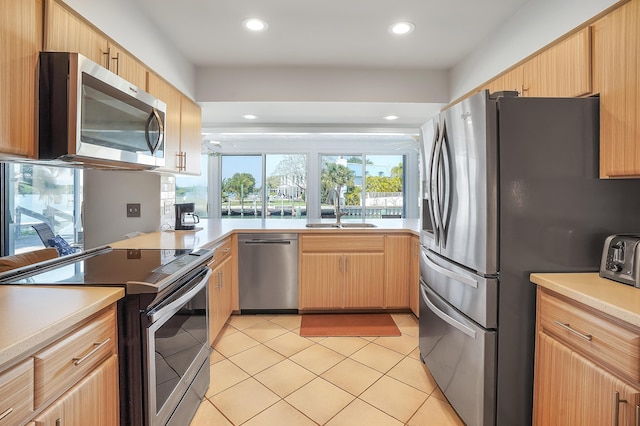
186, 219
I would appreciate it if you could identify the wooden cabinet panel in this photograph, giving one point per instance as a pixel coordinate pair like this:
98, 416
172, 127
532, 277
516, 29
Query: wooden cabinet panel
321, 280
16, 394
563, 70
63, 363
127, 67
571, 390
341, 243
93, 401
414, 276
64, 31
511, 80
190, 136
616, 77
20, 43
219, 297
397, 271
363, 280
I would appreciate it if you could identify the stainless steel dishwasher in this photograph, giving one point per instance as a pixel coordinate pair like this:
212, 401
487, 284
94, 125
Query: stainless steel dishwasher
268, 273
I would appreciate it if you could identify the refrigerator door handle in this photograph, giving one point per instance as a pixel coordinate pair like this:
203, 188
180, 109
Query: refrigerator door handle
438, 185
446, 318
431, 196
447, 188
461, 278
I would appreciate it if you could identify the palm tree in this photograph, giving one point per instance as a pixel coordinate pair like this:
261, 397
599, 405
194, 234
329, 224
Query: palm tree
240, 184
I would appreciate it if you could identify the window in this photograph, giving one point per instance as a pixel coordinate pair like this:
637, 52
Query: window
286, 186
241, 186
194, 189
39, 194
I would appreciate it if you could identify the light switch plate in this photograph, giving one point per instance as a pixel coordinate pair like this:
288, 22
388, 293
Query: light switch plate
133, 210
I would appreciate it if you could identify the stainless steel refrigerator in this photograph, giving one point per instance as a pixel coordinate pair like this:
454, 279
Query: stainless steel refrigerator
510, 187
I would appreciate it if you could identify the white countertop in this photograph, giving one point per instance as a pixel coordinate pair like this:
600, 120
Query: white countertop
31, 317
213, 230
618, 300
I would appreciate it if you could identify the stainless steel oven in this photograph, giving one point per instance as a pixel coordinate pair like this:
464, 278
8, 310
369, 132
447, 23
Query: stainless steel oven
177, 352
163, 350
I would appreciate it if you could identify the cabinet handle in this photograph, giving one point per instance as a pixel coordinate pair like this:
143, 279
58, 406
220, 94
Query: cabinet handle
98, 346
226, 250
567, 327
182, 160
219, 286
637, 415
108, 59
340, 264
58, 422
117, 59
6, 413
616, 407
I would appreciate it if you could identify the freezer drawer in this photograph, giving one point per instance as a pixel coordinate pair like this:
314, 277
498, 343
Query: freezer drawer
473, 295
461, 357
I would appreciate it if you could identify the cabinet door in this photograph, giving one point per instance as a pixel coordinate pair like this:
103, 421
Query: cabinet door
127, 66
511, 80
172, 97
20, 42
397, 271
190, 136
414, 276
571, 390
64, 31
616, 77
219, 298
93, 401
561, 70
321, 280
364, 280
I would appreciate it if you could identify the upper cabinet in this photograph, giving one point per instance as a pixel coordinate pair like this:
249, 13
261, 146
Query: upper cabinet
183, 124
20, 42
616, 77
64, 31
562, 70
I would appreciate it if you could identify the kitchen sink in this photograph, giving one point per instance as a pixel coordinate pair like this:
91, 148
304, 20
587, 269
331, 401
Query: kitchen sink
341, 225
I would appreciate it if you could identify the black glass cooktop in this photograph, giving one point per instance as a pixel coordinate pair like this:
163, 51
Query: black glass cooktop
129, 268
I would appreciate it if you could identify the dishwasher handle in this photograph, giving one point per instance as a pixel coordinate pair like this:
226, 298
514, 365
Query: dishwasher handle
256, 242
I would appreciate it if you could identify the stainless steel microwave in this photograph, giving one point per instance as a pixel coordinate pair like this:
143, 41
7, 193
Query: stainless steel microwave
89, 116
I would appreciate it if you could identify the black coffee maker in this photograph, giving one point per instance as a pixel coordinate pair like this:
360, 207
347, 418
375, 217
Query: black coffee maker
186, 218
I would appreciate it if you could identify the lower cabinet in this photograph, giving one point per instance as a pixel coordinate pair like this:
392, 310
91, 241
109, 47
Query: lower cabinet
339, 272
221, 286
414, 276
586, 369
93, 401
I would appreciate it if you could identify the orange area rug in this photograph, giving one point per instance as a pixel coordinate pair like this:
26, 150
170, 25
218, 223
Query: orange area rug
322, 325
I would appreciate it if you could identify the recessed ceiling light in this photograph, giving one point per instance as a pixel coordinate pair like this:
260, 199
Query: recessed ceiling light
250, 116
401, 28
254, 24
391, 117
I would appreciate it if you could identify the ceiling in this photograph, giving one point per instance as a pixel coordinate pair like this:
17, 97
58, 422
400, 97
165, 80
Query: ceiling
329, 33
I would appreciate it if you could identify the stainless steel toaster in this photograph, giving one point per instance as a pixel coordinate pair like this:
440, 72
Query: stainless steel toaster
621, 259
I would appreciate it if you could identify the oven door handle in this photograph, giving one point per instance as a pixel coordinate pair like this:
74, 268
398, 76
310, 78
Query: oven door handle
446, 318
175, 305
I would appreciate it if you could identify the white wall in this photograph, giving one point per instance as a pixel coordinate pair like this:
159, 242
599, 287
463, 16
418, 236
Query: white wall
106, 195
125, 23
536, 24
320, 84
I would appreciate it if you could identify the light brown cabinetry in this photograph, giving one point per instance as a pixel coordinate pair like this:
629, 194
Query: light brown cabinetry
587, 368
616, 77
220, 287
562, 70
65, 31
397, 271
341, 271
72, 381
20, 43
414, 276
190, 137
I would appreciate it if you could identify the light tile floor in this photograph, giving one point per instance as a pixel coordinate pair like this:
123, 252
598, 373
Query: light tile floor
263, 373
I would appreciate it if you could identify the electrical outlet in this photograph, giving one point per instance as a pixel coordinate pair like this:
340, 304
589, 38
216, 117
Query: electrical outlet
133, 210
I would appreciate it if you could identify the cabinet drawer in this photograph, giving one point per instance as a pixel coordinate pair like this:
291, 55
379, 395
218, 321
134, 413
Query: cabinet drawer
62, 364
612, 344
341, 243
16, 393
222, 251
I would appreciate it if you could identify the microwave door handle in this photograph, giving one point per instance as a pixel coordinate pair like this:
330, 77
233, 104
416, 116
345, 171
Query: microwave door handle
154, 116
430, 193
446, 318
